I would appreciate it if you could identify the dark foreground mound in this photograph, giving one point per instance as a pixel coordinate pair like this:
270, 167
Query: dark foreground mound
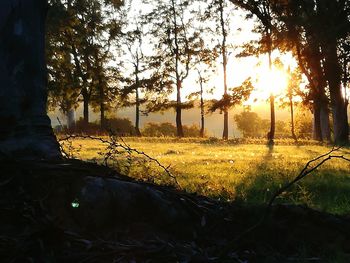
70, 211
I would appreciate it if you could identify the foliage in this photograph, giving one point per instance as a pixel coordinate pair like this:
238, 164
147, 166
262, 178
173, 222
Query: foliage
249, 123
167, 129
236, 96
80, 35
303, 124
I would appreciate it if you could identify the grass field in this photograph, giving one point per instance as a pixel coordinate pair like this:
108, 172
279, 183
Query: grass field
242, 172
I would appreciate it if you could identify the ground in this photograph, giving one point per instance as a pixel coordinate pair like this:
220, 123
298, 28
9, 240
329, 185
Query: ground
75, 211
249, 172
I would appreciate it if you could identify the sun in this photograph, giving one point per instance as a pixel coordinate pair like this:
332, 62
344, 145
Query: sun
269, 82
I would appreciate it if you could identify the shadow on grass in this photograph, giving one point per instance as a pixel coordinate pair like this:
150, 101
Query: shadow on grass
326, 189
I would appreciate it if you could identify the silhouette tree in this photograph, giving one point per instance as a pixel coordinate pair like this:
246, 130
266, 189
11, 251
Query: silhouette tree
176, 43
311, 23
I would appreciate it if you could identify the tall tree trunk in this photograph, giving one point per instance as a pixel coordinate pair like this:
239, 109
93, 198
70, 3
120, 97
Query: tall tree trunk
271, 134
317, 132
224, 65
71, 120
325, 125
102, 105
292, 118
179, 128
338, 103
102, 116
25, 130
85, 109
137, 95
201, 133
319, 83
137, 117
178, 108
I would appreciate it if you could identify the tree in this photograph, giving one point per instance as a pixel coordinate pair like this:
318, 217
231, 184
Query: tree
217, 10
84, 31
134, 46
142, 82
63, 83
27, 133
307, 51
176, 44
293, 90
204, 65
312, 24
234, 97
248, 123
201, 81
262, 10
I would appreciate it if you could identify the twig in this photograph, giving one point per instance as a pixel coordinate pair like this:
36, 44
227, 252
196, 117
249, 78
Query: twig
113, 144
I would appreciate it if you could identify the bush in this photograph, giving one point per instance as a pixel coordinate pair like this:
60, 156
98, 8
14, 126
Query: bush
121, 126
118, 126
167, 129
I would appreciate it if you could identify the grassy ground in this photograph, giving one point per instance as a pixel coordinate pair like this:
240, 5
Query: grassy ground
237, 171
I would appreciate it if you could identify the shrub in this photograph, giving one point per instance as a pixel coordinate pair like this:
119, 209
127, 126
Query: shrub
119, 126
167, 129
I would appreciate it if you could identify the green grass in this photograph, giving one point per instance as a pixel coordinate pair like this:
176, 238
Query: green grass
244, 172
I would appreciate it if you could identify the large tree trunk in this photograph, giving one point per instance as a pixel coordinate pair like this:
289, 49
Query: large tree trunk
325, 126
319, 84
317, 131
25, 130
338, 104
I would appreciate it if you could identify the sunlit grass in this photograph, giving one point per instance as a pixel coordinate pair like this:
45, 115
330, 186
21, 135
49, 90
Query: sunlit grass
240, 172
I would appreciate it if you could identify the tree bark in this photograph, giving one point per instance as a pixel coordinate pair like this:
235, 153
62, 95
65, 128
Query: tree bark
325, 125
179, 128
338, 103
224, 66
137, 95
317, 132
25, 130
292, 118
137, 117
201, 133
71, 120
85, 109
271, 134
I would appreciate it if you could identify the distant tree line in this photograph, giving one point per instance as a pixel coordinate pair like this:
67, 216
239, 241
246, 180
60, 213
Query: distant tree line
104, 55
